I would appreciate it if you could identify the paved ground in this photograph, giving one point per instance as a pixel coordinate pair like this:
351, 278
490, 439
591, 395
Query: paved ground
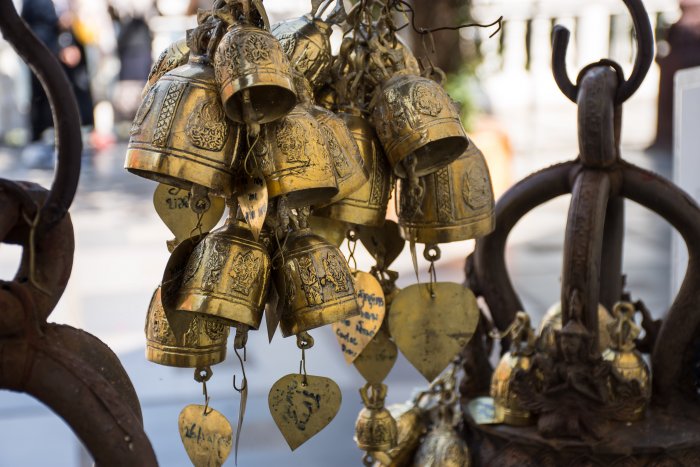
120, 253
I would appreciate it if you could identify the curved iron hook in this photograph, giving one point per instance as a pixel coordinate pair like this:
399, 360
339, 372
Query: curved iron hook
55, 83
245, 380
645, 55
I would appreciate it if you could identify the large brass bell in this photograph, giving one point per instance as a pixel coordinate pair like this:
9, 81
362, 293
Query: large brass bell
458, 203
415, 117
227, 277
552, 322
203, 343
306, 42
375, 428
294, 158
254, 76
314, 283
180, 134
367, 205
175, 55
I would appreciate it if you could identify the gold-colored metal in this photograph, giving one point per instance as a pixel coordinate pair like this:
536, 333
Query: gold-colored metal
415, 116
202, 344
206, 434
367, 205
410, 428
227, 277
354, 334
458, 203
180, 134
315, 284
443, 447
431, 323
306, 42
375, 428
175, 55
330, 229
303, 405
254, 76
378, 358
626, 359
173, 207
253, 200
295, 160
519, 357
551, 322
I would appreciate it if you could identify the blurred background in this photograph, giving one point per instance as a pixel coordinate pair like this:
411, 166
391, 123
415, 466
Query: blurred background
512, 109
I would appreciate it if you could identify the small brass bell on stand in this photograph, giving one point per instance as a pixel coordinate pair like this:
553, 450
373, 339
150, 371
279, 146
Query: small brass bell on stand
367, 205
253, 73
626, 360
458, 203
227, 276
180, 134
375, 428
551, 323
314, 283
415, 117
518, 358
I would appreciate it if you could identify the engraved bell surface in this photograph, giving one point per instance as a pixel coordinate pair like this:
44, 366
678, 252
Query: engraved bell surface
175, 55
227, 277
203, 344
367, 205
254, 76
415, 116
375, 428
314, 283
458, 203
180, 135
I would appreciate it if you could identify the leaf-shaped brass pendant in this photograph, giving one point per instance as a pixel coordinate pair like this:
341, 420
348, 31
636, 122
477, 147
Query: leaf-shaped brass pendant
355, 333
303, 405
173, 207
252, 200
430, 329
378, 358
206, 437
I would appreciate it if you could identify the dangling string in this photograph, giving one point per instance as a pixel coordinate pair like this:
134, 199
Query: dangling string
407, 8
432, 253
304, 341
238, 343
352, 246
246, 166
202, 375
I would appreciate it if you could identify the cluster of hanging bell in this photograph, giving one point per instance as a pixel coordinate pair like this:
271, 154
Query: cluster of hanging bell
304, 148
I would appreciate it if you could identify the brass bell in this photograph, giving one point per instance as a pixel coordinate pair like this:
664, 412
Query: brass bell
348, 165
442, 447
314, 284
552, 322
518, 358
367, 205
175, 55
375, 428
415, 117
410, 429
227, 276
294, 158
203, 343
306, 42
626, 360
458, 203
254, 76
180, 134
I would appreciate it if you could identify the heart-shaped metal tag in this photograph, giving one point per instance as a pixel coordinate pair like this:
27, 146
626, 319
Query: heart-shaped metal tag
252, 199
173, 207
431, 323
378, 358
385, 243
355, 333
207, 437
303, 405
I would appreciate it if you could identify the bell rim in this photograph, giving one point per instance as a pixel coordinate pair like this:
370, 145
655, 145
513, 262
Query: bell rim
356, 212
159, 355
219, 308
456, 232
448, 149
275, 81
318, 315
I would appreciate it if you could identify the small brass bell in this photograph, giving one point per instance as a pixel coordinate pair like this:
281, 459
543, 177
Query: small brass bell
442, 447
180, 134
294, 158
175, 55
375, 428
458, 203
314, 283
551, 322
367, 205
410, 429
519, 357
203, 343
306, 42
227, 277
254, 76
415, 117
626, 359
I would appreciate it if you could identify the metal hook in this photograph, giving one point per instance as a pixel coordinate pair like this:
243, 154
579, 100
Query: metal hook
645, 54
245, 380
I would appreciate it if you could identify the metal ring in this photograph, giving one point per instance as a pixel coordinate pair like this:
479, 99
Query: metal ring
432, 253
